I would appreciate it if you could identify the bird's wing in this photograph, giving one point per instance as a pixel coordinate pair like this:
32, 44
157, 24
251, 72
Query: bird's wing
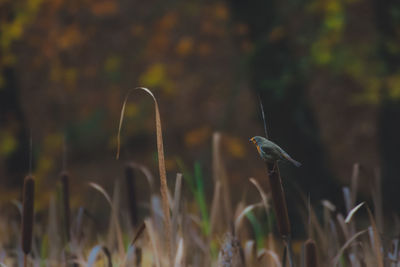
267, 149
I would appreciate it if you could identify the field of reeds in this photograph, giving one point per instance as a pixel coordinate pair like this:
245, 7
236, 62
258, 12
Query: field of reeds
182, 230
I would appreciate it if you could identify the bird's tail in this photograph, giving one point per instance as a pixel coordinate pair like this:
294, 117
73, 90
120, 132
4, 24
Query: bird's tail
294, 162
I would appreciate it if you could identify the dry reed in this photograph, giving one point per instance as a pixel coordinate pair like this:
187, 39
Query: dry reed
131, 191
64, 177
161, 165
27, 215
279, 201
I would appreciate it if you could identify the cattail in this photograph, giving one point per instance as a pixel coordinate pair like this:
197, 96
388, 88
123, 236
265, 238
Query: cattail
27, 213
279, 201
130, 186
64, 177
310, 252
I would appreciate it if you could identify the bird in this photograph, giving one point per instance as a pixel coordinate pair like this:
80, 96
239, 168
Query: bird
271, 152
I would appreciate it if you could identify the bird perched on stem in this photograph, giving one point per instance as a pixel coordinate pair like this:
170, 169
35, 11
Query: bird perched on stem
271, 152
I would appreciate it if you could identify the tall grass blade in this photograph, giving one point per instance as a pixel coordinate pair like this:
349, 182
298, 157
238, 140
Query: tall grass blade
153, 240
377, 200
139, 232
219, 173
27, 214
215, 209
102, 191
94, 253
263, 116
180, 256
131, 194
175, 209
264, 198
146, 172
64, 177
114, 213
243, 214
335, 260
272, 254
377, 240
352, 212
161, 164
354, 183
201, 198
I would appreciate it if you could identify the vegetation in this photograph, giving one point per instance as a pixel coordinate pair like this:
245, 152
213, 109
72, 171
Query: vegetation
194, 234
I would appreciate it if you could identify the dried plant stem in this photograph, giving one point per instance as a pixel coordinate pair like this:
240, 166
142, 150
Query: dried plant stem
280, 207
66, 203
27, 214
130, 186
279, 200
161, 165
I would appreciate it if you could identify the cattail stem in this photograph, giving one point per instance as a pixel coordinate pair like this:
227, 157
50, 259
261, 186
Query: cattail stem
310, 252
27, 214
280, 207
279, 200
130, 186
66, 203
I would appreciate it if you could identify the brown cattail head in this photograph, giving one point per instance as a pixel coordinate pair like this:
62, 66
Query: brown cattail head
130, 186
279, 200
310, 254
64, 177
27, 213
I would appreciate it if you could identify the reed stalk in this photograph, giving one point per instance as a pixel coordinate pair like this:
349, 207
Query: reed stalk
64, 177
132, 200
27, 215
280, 207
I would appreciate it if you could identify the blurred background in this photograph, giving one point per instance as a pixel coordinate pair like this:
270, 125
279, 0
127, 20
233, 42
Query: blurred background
327, 73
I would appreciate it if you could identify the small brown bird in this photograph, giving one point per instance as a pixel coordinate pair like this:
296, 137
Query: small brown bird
271, 152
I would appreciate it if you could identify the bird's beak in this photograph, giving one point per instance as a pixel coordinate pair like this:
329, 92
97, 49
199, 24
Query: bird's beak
252, 140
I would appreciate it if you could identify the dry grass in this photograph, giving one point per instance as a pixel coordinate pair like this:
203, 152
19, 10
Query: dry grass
180, 229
